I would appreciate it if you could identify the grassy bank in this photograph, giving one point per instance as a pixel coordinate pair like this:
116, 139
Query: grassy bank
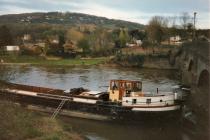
51, 60
18, 123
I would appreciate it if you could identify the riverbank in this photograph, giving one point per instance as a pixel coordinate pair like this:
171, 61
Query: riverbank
143, 62
18, 123
50, 61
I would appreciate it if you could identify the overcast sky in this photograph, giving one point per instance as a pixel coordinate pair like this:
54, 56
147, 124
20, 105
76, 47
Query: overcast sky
132, 10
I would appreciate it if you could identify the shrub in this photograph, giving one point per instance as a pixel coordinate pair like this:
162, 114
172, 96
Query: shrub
129, 60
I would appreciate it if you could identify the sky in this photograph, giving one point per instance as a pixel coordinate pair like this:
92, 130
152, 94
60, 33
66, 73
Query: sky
140, 11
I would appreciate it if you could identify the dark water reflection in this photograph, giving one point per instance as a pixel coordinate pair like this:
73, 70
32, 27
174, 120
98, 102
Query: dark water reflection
97, 78
121, 131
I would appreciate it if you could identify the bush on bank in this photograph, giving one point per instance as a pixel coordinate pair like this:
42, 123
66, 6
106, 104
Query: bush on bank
129, 60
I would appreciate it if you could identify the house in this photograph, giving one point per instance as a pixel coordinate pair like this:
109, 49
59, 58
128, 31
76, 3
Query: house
9, 49
35, 45
130, 45
40, 44
26, 37
12, 48
71, 48
204, 38
55, 41
175, 39
138, 42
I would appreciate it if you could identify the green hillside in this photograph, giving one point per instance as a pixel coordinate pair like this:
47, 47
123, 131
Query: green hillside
67, 19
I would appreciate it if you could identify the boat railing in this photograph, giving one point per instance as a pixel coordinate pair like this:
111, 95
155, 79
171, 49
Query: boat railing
153, 94
148, 94
166, 102
33, 88
117, 104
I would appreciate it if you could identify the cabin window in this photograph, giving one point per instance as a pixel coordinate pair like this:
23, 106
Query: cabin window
134, 101
122, 85
139, 86
128, 86
114, 86
128, 93
136, 87
148, 101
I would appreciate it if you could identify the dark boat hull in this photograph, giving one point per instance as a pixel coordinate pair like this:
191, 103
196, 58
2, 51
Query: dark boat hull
112, 111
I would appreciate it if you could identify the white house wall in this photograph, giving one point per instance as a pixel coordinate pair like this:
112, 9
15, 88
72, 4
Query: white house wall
12, 48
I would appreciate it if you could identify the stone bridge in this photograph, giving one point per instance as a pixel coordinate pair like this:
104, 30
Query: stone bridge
195, 64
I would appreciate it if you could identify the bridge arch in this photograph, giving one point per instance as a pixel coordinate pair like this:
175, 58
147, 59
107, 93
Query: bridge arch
190, 66
203, 80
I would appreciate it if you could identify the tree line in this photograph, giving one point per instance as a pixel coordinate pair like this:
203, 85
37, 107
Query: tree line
98, 40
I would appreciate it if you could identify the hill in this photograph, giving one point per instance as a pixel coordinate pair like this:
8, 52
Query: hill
67, 18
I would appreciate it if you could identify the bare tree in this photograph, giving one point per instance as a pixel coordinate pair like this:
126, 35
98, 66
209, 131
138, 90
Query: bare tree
172, 21
185, 19
174, 28
157, 28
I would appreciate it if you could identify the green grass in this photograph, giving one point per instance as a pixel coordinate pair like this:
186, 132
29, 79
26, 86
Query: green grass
18, 123
41, 61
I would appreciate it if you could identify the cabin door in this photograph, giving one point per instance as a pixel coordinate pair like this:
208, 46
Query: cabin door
121, 90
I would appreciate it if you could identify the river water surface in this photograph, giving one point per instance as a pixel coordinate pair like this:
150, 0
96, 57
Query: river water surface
97, 78
91, 77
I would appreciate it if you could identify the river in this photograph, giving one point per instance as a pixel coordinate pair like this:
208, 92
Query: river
90, 77
97, 78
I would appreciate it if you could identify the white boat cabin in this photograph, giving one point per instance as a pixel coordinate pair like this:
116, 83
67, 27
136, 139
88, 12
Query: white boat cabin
130, 94
123, 88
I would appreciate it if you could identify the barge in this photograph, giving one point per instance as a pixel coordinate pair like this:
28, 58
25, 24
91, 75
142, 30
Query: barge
124, 99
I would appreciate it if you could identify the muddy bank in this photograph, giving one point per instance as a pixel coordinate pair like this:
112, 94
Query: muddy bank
153, 62
158, 63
